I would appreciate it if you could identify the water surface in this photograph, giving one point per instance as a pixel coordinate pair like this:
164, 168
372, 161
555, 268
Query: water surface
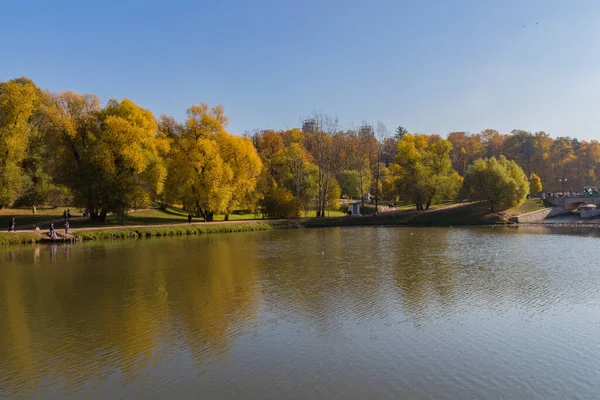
326, 313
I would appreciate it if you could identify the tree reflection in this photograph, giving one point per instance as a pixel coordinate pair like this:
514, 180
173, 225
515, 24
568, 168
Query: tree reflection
89, 311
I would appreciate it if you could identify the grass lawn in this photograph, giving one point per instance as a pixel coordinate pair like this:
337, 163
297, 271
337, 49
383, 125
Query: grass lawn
412, 207
528, 206
25, 216
174, 215
468, 214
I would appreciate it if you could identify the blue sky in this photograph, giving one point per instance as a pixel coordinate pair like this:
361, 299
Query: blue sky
431, 66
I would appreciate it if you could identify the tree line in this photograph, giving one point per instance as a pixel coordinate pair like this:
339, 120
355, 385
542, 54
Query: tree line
66, 148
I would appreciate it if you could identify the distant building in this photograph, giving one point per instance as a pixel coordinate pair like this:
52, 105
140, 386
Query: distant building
310, 125
365, 130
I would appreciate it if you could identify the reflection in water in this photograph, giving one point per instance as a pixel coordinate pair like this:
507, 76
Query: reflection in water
334, 313
90, 311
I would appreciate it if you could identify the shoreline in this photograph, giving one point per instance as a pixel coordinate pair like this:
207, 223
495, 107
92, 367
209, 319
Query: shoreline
562, 224
201, 228
457, 215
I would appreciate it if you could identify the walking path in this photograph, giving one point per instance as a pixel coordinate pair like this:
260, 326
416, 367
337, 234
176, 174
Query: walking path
48, 222
61, 220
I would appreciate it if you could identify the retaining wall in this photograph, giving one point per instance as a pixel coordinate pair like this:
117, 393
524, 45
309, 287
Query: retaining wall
539, 215
589, 211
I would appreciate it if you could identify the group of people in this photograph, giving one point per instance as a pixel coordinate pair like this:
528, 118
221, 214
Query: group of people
571, 193
67, 215
52, 232
12, 227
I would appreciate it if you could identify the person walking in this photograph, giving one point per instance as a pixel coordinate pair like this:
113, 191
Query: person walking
11, 226
68, 214
34, 210
65, 215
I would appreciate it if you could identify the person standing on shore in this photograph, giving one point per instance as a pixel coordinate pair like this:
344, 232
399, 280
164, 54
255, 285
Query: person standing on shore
66, 228
11, 226
52, 233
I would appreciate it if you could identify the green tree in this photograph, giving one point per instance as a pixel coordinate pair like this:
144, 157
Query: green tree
425, 174
350, 184
333, 195
535, 183
400, 132
279, 202
499, 181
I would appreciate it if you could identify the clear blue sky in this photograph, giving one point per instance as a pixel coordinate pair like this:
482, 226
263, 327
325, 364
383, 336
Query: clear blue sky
431, 66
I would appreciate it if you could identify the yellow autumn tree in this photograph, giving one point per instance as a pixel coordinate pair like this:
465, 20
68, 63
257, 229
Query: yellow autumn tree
18, 99
240, 155
535, 183
128, 152
210, 171
70, 123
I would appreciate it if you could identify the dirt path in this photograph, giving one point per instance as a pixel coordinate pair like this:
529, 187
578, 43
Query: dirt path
61, 221
22, 228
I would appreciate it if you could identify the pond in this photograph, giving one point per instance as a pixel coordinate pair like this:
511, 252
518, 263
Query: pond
347, 313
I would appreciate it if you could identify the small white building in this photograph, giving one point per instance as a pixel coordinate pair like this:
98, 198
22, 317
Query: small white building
354, 208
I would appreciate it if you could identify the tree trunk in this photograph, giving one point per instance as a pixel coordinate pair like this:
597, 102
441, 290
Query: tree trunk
226, 217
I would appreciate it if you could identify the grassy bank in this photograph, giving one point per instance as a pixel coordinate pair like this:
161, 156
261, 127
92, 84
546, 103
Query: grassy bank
181, 230
468, 214
156, 223
25, 216
471, 214
8, 238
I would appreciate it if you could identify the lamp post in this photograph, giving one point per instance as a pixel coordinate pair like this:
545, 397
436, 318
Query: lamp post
563, 180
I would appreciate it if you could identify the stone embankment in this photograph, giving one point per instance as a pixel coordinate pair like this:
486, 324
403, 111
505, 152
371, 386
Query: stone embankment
539, 215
